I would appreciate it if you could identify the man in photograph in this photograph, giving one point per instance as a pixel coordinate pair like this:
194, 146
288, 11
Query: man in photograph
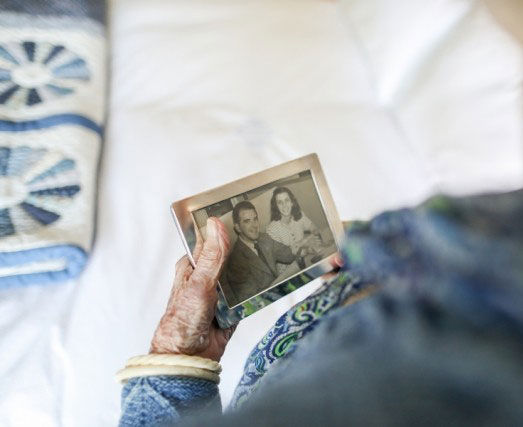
251, 267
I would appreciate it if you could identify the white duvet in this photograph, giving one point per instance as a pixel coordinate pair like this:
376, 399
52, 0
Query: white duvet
400, 100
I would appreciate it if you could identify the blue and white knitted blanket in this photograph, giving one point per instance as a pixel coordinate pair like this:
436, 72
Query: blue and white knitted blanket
52, 109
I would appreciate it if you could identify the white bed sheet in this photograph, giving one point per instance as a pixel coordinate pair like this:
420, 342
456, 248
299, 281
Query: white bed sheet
399, 102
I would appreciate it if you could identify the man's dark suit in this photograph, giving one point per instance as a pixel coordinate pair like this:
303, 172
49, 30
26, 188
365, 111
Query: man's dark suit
245, 274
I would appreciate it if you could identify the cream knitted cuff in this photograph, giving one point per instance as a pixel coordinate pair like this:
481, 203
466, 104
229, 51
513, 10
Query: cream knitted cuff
170, 364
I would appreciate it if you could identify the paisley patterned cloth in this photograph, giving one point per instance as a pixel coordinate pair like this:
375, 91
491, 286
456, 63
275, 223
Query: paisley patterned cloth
440, 341
291, 327
52, 102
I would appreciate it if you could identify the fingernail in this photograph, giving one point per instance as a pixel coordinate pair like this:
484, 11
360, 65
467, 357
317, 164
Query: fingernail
339, 260
212, 229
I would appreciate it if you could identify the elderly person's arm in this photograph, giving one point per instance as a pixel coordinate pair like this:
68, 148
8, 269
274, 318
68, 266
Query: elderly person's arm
186, 328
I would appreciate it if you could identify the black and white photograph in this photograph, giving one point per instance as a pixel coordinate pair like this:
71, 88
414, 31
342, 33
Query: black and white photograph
283, 230
276, 231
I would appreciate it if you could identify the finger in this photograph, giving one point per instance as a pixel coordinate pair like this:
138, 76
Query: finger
213, 254
183, 269
228, 333
182, 264
336, 261
197, 248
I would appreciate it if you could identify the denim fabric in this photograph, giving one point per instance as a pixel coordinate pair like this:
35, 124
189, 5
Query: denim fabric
163, 400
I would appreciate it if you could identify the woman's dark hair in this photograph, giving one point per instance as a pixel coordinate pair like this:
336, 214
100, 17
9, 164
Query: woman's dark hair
275, 212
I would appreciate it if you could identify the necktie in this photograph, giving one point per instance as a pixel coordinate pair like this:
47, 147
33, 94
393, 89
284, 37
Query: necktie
260, 254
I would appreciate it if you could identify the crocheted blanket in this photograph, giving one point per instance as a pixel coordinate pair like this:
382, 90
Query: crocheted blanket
52, 108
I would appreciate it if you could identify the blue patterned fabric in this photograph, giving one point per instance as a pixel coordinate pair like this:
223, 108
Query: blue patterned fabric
16, 164
52, 101
440, 343
51, 121
164, 400
291, 327
38, 72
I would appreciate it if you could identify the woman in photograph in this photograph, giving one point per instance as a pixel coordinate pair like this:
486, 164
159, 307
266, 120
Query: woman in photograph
289, 225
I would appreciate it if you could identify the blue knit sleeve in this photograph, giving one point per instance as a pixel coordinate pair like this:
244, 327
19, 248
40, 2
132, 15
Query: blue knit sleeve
163, 400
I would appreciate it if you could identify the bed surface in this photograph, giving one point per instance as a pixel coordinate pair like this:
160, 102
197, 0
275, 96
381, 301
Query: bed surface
399, 102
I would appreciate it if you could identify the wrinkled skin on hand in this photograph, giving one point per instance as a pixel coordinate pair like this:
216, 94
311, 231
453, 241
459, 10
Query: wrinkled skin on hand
187, 326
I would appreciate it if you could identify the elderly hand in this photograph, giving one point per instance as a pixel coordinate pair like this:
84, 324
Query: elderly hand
187, 326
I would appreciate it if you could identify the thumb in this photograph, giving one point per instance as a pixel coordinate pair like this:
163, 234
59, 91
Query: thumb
213, 254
